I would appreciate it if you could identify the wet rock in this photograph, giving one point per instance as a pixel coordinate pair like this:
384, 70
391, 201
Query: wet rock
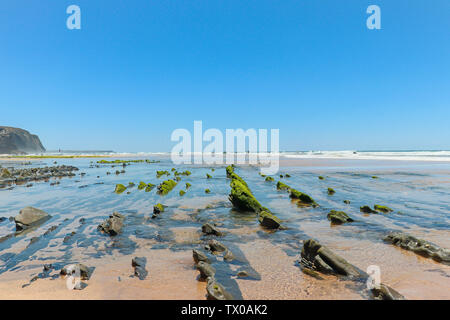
166, 186
200, 256
209, 229
338, 217
47, 267
347, 201
315, 257
242, 274
207, 191
158, 208
72, 269
206, 270
383, 292
29, 217
282, 186
138, 263
419, 246
3, 219
303, 199
215, 291
113, 225
216, 246
331, 191
383, 209
324, 260
120, 188
241, 197
269, 179
268, 220
367, 209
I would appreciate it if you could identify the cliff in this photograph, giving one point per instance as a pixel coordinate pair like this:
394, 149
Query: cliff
19, 141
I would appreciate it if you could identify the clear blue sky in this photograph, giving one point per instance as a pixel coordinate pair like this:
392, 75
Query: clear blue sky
139, 69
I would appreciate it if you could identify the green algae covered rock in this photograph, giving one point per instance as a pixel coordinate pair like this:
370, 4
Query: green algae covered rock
287, 175
208, 176
268, 220
120, 188
230, 170
242, 198
142, 185
321, 178
338, 217
149, 187
282, 186
268, 179
162, 173
383, 209
207, 191
182, 193
331, 191
367, 209
166, 186
188, 185
158, 208
302, 198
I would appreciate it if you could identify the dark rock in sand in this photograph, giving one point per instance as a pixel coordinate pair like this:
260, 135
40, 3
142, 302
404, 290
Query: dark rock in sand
215, 291
200, 256
206, 270
419, 246
324, 260
71, 269
113, 225
268, 220
19, 141
29, 217
316, 257
138, 263
383, 292
209, 229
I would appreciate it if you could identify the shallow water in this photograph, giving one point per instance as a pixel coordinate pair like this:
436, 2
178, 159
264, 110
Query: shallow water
417, 191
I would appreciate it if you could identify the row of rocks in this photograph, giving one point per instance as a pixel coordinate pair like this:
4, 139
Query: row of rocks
9, 176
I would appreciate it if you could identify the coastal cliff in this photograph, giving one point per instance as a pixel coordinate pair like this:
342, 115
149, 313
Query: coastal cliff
19, 141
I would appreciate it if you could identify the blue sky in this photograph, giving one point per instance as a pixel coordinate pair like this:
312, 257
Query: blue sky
139, 69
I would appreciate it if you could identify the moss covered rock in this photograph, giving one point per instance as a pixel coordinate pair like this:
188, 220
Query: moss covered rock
282, 186
158, 208
207, 191
269, 179
120, 188
338, 217
208, 176
149, 187
188, 185
166, 186
242, 198
383, 209
331, 191
142, 185
182, 193
302, 198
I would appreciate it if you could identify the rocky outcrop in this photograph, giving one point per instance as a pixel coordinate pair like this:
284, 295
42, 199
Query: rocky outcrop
29, 217
19, 141
318, 258
419, 246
